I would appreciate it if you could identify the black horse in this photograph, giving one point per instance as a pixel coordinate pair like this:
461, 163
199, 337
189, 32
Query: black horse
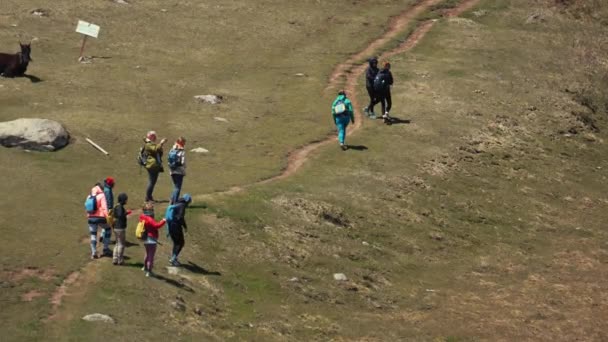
12, 65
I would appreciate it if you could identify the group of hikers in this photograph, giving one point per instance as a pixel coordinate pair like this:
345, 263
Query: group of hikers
103, 214
378, 83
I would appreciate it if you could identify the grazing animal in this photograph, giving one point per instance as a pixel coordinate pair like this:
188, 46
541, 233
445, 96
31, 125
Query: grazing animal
12, 65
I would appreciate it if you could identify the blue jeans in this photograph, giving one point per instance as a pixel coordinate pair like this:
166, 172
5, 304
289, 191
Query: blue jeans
342, 122
177, 187
152, 178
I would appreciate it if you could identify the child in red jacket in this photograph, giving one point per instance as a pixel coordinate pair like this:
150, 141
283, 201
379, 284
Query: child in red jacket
151, 241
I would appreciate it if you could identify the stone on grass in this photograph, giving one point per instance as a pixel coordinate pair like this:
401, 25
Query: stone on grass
122, 2
199, 150
217, 118
210, 99
172, 270
97, 317
340, 277
33, 134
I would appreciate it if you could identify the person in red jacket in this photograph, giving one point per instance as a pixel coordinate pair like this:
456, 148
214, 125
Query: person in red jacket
151, 241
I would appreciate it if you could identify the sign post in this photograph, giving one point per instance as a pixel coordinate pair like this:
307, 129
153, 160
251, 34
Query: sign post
87, 30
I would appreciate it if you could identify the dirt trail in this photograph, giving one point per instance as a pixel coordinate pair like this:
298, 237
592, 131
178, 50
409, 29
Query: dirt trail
352, 70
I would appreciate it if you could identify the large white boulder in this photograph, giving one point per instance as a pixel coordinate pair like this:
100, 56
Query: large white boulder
33, 134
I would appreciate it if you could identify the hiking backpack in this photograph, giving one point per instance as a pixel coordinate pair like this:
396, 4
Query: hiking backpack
90, 204
142, 156
140, 231
340, 107
380, 82
169, 213
174, 159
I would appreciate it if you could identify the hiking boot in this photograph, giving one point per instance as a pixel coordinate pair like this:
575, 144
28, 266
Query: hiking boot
149, 274
366, 111
114, 262
107, 252
144, 268
372, 115
175, 263
94, 256
343, 147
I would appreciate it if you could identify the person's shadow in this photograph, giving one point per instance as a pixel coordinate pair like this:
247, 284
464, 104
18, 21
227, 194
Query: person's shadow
356, 147
396, 121
194, 268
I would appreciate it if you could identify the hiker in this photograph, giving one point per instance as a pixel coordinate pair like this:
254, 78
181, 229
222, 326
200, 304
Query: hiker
382, 87
370, 75
120, 226
177, 167
153, 153
106, 233
97, 213
176, 221
343, 114
151, 238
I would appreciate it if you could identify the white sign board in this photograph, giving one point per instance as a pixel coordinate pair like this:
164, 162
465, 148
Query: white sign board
87, 29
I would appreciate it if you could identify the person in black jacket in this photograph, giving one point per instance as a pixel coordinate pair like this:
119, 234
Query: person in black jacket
370, 75
382, 86
120, 227
177, 226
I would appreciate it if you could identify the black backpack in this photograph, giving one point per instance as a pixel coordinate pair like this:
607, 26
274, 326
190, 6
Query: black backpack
142, 156
381, 82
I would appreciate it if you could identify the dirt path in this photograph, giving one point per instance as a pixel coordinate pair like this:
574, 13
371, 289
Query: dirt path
347, 73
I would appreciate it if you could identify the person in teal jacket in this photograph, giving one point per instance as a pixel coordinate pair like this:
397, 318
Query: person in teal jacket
343, 113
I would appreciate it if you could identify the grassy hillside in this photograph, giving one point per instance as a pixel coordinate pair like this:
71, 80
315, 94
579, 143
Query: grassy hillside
481, 219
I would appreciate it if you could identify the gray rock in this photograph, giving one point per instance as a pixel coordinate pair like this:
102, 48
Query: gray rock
179, 306
40, 12
97, 317
217, 118
122, 2
210, 99
33, 134
340, 277
199, 150
172, 270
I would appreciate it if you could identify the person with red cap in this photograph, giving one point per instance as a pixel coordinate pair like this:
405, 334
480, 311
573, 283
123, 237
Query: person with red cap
106, 232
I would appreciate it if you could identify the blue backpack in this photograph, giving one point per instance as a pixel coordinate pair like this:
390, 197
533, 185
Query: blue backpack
174, 158
90, 204
169, 213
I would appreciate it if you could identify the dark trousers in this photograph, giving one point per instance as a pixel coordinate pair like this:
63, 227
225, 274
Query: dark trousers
177, 187
372, 98
385, 100
152, 178
177, 236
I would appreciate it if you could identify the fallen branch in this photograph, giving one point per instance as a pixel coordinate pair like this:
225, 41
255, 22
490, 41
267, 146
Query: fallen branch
97, 147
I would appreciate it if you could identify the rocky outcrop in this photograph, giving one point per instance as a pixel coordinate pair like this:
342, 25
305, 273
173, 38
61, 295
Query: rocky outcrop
33, 134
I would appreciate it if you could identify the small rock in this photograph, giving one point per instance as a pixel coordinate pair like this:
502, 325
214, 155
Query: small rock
436, 236
532, 108
294, 280
535, 17
480, 13
122, 2
172, 270
300, 75
198, 310
97, 317
210, 99
364, 243
164, 10
179, 306
217, 118
40, 12
199, 150
340, 277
